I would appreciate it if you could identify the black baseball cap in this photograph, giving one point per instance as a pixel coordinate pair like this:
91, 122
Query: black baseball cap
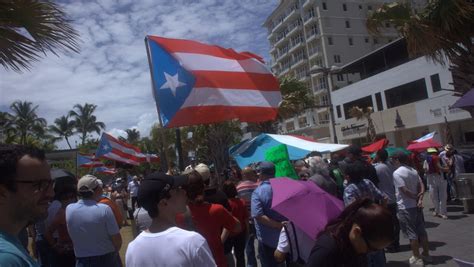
155, 186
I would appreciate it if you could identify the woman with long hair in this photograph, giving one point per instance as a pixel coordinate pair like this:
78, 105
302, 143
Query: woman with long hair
361, 228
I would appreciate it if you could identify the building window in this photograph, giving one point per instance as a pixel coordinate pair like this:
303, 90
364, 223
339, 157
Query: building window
366, 39
290, 126
406, 93
378, 99
324, 6
369, 7
351, 42
348, 24
302, 122
338, 111
330, 41
376, 41
435, 83
344, 7
337, 59
340, 77
362, 103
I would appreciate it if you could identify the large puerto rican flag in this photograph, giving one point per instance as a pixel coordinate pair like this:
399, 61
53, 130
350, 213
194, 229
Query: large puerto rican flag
114, 149
197, 83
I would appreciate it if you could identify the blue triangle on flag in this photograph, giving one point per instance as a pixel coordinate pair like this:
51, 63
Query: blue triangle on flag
173, 83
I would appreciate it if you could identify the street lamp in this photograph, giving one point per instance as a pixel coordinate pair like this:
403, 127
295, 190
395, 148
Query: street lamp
327, 72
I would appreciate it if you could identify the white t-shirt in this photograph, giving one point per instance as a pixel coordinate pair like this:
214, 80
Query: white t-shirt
304, 244
170, 248
408, 177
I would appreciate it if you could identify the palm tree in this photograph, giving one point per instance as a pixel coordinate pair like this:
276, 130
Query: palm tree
133, 136
442, 31
361, 114
84, 120
6, 128
64, 128
29, 29
25, 120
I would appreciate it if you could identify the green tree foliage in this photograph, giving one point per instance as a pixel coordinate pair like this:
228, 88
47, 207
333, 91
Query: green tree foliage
85, 121
296, 99
442, 31
25, 122
64, 128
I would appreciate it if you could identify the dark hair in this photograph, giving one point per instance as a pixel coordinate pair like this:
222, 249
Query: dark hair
195, 187
354, 150
374, 220
382, 154
9, 157
356, 171
229, 189
402, 157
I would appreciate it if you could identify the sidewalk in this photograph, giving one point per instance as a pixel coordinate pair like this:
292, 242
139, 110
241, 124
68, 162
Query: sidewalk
452, 238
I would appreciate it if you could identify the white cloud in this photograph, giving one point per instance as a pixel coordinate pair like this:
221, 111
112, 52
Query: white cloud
111, 70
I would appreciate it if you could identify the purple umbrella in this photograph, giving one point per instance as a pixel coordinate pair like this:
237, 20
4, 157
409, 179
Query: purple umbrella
305, 204
467, 100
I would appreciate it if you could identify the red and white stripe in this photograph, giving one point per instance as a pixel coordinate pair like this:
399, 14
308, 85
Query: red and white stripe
228, 84
123, 152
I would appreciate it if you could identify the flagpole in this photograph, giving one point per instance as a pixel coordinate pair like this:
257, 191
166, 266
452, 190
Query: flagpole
163, 161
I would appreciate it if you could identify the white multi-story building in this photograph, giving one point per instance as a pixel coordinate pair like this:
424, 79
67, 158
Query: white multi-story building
307, 36
410, 98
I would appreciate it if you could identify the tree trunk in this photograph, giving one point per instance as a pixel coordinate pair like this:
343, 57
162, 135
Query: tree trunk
67, 141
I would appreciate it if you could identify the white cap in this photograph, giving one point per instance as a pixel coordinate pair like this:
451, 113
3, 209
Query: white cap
87, 183
203, 170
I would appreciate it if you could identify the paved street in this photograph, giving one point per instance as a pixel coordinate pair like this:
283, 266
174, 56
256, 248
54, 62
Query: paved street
452, 238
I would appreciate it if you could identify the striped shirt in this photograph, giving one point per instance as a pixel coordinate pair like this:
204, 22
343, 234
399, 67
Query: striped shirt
245, 190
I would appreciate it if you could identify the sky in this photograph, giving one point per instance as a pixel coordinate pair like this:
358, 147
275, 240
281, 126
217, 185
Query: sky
111, 70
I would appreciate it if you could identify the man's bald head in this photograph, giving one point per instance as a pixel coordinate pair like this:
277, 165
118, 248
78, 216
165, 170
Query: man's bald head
249, 174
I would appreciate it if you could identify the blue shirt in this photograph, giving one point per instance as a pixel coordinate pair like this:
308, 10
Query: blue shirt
261, 205
13, 254
90, 226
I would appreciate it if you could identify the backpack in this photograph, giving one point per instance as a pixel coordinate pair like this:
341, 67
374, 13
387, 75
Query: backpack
294, 254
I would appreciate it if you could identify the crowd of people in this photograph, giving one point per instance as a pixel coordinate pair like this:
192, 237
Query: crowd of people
189, 219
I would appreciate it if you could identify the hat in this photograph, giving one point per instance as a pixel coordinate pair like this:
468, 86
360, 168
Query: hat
432, 150
266, 167
448, 147
155, 186
87, 183
203, 170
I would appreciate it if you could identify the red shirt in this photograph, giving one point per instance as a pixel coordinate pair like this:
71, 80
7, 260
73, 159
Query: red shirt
209, 220
239, 211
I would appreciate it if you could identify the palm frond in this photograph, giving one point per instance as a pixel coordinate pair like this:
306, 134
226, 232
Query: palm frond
45, 22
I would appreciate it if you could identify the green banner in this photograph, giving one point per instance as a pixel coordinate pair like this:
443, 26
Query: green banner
279, 156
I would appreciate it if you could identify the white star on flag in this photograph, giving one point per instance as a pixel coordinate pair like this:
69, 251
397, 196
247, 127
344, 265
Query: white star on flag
172, 82
105, 147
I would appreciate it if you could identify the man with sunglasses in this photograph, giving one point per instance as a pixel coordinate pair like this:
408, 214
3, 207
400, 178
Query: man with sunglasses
25, 192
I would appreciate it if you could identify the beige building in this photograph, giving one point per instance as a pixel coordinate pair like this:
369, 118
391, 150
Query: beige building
409, 97
308, 35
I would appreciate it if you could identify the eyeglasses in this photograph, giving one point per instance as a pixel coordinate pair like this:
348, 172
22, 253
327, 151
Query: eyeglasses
41, 185
367, 243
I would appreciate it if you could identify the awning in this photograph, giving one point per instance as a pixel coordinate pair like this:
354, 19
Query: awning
253, 150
